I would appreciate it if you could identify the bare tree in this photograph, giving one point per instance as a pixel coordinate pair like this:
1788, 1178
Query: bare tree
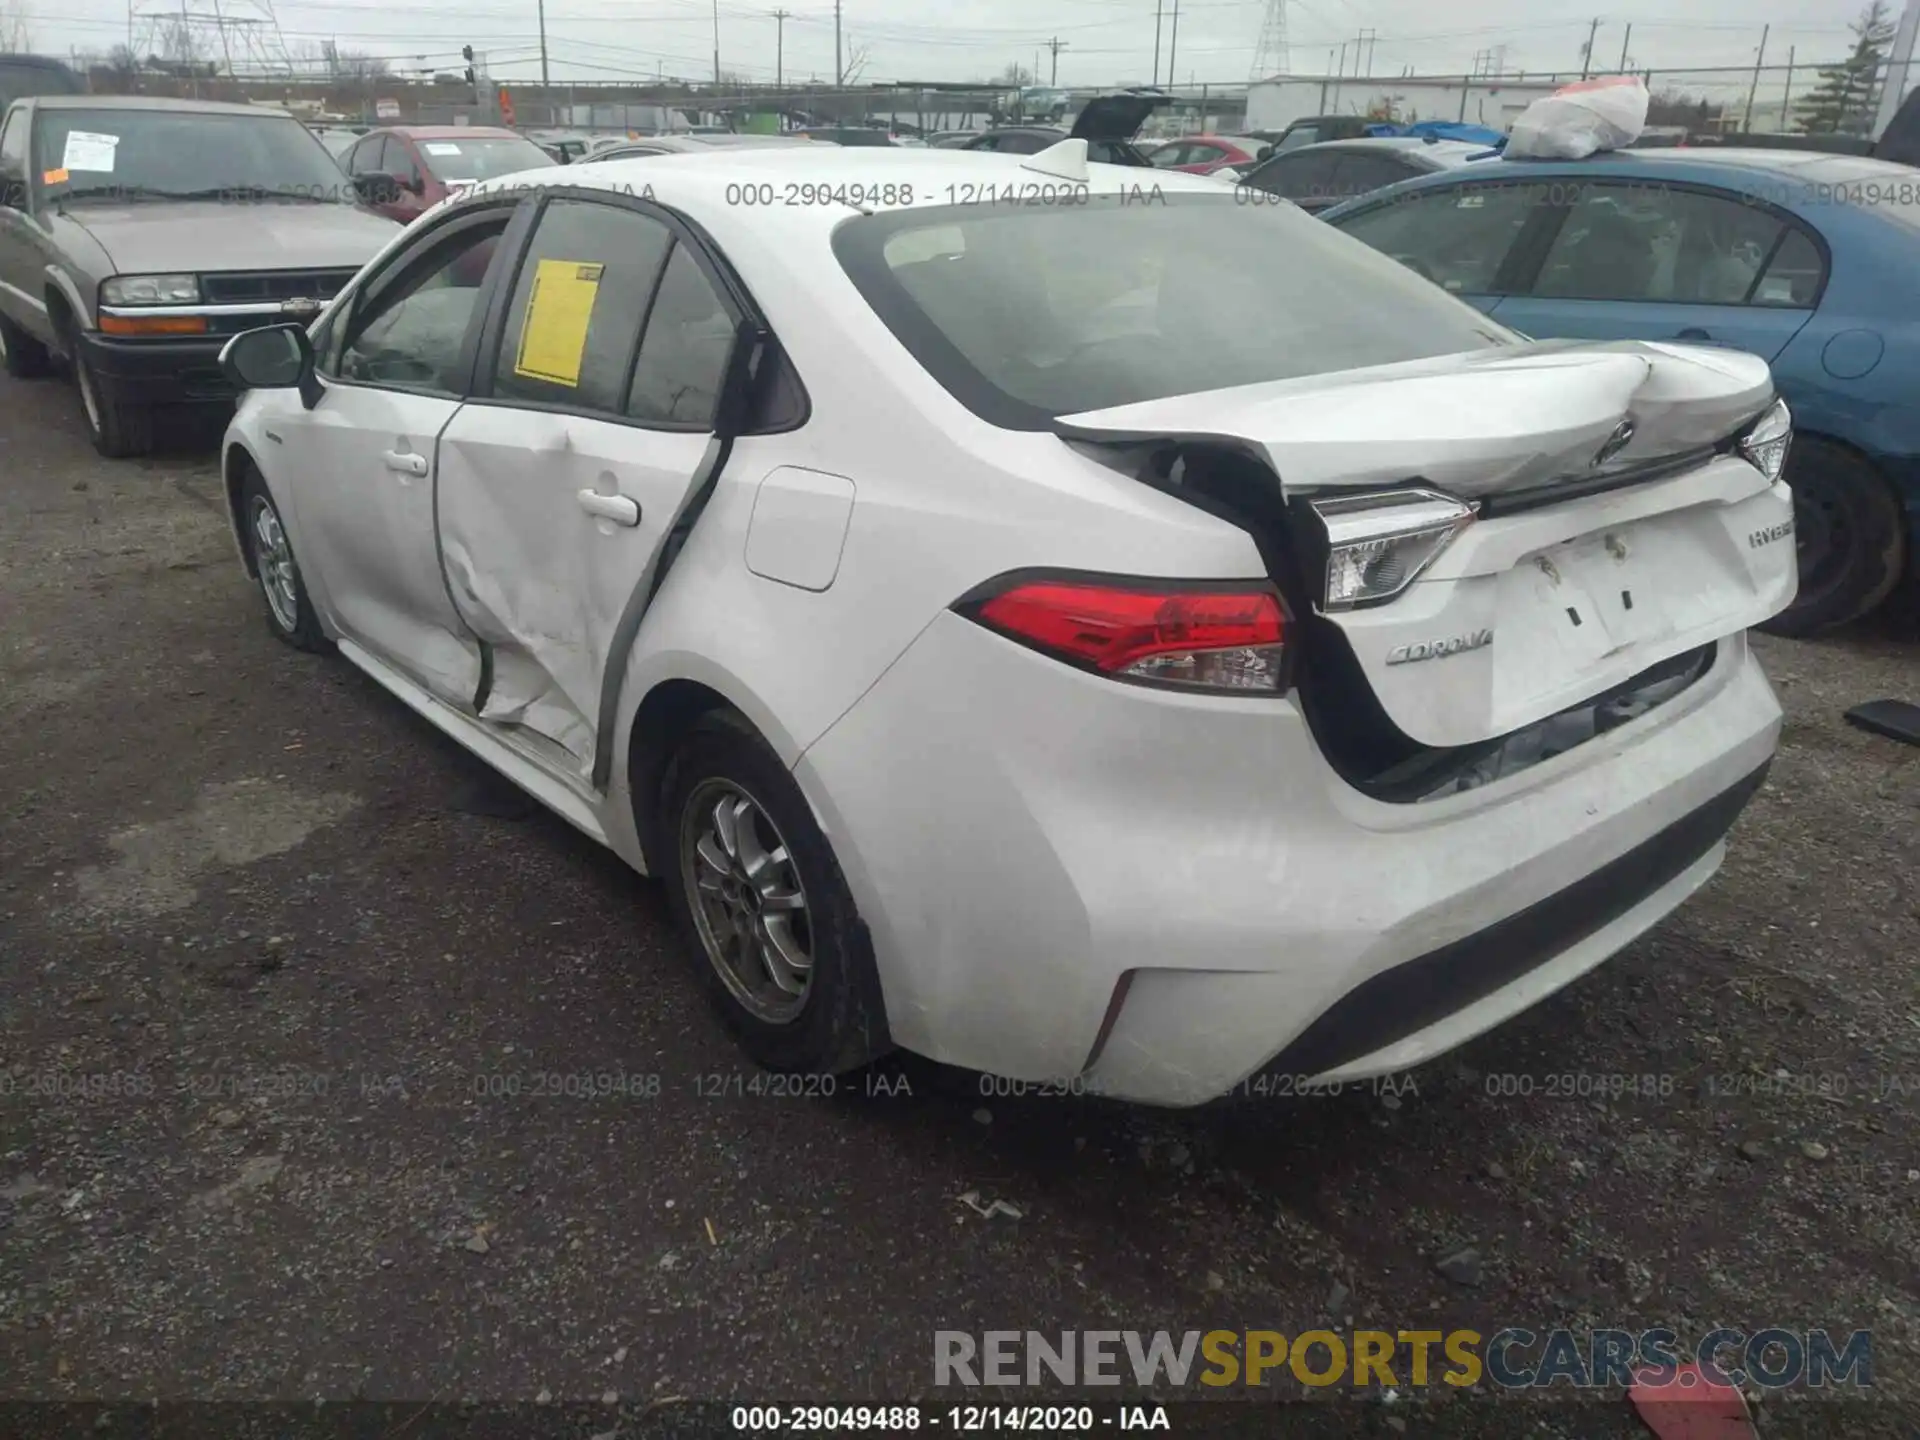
857, 57
15, 33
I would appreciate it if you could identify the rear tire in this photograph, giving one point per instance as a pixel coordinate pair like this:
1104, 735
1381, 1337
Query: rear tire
779, 880
118, 430
289, 612
1850, 535
23, 357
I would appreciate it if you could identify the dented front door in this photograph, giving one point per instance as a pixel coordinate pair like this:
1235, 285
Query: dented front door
560, 486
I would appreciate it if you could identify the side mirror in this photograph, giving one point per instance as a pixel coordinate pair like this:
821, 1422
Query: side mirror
13, 193
277, 357
1263, 152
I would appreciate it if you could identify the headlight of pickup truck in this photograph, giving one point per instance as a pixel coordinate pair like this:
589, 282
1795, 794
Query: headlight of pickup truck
151, 290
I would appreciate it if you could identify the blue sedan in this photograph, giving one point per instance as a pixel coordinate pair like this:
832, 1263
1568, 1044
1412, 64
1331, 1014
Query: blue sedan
1810, 260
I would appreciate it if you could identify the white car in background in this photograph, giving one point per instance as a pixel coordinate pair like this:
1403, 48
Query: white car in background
1136, 643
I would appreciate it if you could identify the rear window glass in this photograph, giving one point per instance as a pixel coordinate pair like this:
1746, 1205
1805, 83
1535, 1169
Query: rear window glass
1031, 312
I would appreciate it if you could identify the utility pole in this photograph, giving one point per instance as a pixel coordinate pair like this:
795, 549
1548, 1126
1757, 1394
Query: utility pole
1754, 89
1367, 37
1586, 51
543, 48
779, 43
1173, 46
1625, 40
1056, 45
1786, 96
716, 44
1157, 8
839, 71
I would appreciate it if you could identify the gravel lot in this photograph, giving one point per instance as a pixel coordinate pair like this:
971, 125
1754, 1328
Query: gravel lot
243, 881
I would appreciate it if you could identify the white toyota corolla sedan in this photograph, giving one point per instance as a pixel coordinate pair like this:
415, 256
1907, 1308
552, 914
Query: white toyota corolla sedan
1074, 625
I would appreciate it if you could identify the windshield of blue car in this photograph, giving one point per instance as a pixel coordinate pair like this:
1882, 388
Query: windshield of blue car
1027, 313
136, 154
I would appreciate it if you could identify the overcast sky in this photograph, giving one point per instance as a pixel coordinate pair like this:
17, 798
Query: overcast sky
1104, 41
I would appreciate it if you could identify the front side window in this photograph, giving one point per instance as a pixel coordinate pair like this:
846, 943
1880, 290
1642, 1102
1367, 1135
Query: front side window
1656, 243
578, 305
1028, 314
1455, 236
408, 333
133, 154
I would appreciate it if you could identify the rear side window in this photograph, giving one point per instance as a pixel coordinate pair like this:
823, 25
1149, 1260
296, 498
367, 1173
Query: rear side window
1456, 236
1305, 176
683, 358
1361, 172
1025, 314
1795, 274
1659, 243
578, 305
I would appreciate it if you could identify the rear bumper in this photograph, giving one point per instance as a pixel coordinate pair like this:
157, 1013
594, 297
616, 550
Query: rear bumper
184, 371
1161, 894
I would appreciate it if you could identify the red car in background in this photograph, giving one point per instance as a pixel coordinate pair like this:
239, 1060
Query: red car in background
401, 170
1203, 154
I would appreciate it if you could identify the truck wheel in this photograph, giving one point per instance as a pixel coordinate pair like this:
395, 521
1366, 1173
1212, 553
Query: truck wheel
24, 357
117, 430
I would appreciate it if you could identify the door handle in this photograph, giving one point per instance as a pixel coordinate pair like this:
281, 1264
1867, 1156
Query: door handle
405, 462
1693, 332
620, 509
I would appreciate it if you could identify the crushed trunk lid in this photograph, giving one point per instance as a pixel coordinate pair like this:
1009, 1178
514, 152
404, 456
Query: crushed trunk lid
1474, 424
1613, 529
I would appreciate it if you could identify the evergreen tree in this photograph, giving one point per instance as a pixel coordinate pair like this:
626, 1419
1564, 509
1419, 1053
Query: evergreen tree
1843, 102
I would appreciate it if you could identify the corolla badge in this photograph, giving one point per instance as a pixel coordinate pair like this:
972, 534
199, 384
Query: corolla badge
1621, 438
1439, 649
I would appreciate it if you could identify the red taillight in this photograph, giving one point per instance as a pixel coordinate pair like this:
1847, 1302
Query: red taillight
1208, 638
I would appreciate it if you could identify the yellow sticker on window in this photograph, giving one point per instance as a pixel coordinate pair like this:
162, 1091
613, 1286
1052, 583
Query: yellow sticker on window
553, 333
54, 177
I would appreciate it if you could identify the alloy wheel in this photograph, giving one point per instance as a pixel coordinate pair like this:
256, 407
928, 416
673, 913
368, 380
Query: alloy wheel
273, 558
748, 903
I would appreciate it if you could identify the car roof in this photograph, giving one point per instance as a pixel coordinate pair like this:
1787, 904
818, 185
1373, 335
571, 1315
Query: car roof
454, 132
1739, 169
925, 173
694, 144
1805, 166
154, 102
1447, 152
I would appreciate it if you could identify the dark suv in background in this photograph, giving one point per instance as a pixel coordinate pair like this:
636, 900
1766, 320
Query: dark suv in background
22, 76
